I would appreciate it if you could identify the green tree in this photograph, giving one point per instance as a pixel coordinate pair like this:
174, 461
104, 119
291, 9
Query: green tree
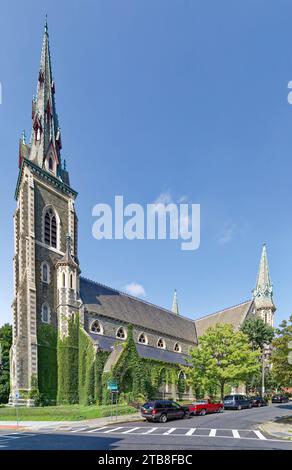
258, 332
5, 345
224, 357
282, 354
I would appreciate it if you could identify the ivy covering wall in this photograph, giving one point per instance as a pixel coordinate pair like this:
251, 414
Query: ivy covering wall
70, 370
67, 355
47, 363
140, 378
91, 364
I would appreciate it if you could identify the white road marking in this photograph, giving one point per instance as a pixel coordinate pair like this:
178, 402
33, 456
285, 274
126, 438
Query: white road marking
260, 435
98, 429
113, 430
190, 432
235, 434
149, 431
171, 430
80, 429
131, 430
212, 433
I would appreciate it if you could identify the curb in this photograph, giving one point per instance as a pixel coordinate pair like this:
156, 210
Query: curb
273, 435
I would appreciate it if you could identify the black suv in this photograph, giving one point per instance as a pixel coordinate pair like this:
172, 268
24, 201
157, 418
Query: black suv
236, 402
162, 410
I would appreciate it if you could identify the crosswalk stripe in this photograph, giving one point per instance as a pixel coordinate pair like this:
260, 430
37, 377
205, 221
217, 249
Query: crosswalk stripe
131, 430
260, 435
190, 432
113, 430
79, 429
98, 429
235, 434
149, 431
169, 431
212, 433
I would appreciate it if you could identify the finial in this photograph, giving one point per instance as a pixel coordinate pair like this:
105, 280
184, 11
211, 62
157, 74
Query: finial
46, 24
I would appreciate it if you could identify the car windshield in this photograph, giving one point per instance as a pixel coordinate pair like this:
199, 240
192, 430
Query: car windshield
229, 397
200, 402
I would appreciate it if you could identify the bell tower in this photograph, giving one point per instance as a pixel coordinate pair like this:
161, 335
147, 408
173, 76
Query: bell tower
45, 237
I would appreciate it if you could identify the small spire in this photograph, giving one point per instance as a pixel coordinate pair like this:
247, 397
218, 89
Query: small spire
23, 137
174, 307
263, 292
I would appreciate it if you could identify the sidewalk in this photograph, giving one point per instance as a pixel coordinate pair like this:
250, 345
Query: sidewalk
279, 429
43, 426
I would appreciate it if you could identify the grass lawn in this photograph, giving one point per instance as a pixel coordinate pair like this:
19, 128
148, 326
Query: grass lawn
61, 413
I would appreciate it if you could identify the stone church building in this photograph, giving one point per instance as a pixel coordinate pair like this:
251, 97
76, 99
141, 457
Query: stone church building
48, 287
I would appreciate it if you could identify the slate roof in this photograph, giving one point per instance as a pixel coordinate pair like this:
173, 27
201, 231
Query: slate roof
148, 352
234, 315
112, 303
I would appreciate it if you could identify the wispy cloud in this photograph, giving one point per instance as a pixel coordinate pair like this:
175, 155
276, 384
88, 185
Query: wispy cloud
226, 233
135, 289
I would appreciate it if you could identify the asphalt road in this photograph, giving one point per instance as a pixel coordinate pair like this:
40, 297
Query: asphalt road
228, 430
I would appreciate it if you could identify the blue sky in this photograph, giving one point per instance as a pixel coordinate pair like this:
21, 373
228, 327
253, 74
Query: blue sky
185, 98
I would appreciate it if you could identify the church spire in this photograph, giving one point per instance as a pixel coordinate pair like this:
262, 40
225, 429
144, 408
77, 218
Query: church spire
263, 293
174, 307
46, 136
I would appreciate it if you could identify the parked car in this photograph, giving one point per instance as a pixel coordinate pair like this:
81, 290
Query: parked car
236, 402
258, 401
163, 410
280, 399
202, 407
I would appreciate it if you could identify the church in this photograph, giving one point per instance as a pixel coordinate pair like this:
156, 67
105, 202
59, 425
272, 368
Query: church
69, 332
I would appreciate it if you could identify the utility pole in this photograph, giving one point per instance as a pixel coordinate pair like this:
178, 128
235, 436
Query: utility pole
263, 371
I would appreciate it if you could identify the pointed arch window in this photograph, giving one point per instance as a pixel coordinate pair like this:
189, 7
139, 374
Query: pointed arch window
161, 343
50, 228
96, 327
177, 347
46, 313
71, 281
51, 164
121, 333
143, 339
45, 272
63, 280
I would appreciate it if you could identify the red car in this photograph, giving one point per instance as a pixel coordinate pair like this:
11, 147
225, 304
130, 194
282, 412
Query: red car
202, 407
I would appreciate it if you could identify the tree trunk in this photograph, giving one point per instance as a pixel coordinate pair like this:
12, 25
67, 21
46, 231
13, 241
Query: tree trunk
222, 390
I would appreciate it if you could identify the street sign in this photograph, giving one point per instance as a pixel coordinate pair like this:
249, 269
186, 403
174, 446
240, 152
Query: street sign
112, 386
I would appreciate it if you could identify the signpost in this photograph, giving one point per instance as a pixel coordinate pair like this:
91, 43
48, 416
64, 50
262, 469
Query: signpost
114, 390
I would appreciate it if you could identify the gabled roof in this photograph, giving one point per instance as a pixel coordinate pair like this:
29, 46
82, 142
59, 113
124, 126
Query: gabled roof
233, 315
112, 303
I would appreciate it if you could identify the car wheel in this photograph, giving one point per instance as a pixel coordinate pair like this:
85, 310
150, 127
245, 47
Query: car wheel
249, 406
202, 412
239, 407
163, 418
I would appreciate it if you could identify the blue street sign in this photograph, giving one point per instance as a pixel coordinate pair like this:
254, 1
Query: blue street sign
112, 386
